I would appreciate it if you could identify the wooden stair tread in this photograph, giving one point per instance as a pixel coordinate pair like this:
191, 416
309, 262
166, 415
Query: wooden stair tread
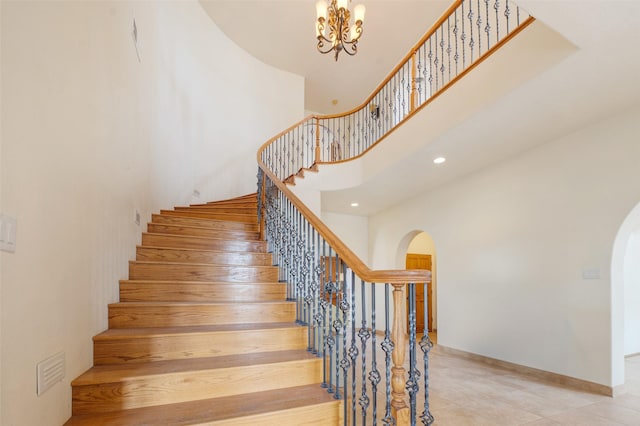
229, 233
199, 242
204, 222
209, 265
209, 238
169, 304
213, 283
118, 333
189, 255
101, 374
238, 217
211, 410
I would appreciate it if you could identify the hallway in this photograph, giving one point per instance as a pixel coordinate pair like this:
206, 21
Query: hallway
466, 392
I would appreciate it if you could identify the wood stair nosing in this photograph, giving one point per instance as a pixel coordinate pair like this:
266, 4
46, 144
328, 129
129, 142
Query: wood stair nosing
132, 385
253, 219
309, 404
204, 223
161, 228
174, 314
238, 203
203, 243
250, 211
193, 291
186, 255
162, 344
169, 271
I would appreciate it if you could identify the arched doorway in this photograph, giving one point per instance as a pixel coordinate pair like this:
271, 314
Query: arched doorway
417, 251
625, 281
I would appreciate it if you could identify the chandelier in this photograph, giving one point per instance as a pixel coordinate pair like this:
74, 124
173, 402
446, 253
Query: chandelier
342, 36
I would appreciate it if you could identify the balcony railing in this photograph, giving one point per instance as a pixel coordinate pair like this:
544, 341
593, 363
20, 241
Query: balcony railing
356, 317
466, 34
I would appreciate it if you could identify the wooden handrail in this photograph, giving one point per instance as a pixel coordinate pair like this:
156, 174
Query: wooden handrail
393, 72
345, 253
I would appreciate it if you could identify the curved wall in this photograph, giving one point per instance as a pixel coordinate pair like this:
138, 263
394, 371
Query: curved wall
93, 128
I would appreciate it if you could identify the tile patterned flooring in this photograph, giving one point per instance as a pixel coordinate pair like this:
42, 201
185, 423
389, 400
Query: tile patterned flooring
466, 392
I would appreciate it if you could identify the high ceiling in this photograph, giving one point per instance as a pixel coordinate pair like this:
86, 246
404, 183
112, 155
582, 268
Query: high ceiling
281, 33
594, 79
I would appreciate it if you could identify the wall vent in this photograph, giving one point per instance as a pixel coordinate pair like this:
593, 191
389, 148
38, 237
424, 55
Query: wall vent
49, 372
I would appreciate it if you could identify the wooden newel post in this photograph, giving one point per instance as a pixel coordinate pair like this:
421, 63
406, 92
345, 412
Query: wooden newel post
399, 407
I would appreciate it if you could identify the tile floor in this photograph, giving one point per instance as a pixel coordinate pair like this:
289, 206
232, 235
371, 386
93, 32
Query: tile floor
465, 392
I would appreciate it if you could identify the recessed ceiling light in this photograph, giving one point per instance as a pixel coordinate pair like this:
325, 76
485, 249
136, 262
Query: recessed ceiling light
439, 160
354, 204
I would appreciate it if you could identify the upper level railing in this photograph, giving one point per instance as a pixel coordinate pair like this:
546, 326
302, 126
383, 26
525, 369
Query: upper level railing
466, 34
342, 302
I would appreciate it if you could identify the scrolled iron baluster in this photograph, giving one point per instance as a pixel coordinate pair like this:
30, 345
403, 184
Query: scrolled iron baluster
507, 13
426, 345
353, 349
472, 42
374, 374
479, 24
487, 27
414, 375
364, 334
387, 346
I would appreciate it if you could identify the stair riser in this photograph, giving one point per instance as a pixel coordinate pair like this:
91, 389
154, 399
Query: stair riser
197, 345
251, 210
312, 415
218, 216
124, 316
204, 223
243, 204
193, 385
209, 292
180, 241
153, 254
201, 232
199, 272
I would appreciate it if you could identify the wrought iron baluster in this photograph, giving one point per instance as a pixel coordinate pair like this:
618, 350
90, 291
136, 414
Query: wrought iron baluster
479, 24
507, 13
472, 42
487, 27
412, 382
364, 334
353, 349
442, 67
425, 345
337, 324
374, 374
496, 8
449, 45
387, 347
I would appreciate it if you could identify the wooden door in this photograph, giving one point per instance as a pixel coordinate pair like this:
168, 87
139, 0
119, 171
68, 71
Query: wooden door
421, 261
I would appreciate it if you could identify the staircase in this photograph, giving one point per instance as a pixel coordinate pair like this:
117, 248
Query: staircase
203, 333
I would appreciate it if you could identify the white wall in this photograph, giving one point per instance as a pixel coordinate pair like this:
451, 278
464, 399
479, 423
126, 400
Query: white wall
632, 295
513, 243
353, 230
89, 133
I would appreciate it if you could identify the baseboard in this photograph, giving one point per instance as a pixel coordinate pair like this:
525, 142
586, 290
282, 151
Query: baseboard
570, 382
632, 355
